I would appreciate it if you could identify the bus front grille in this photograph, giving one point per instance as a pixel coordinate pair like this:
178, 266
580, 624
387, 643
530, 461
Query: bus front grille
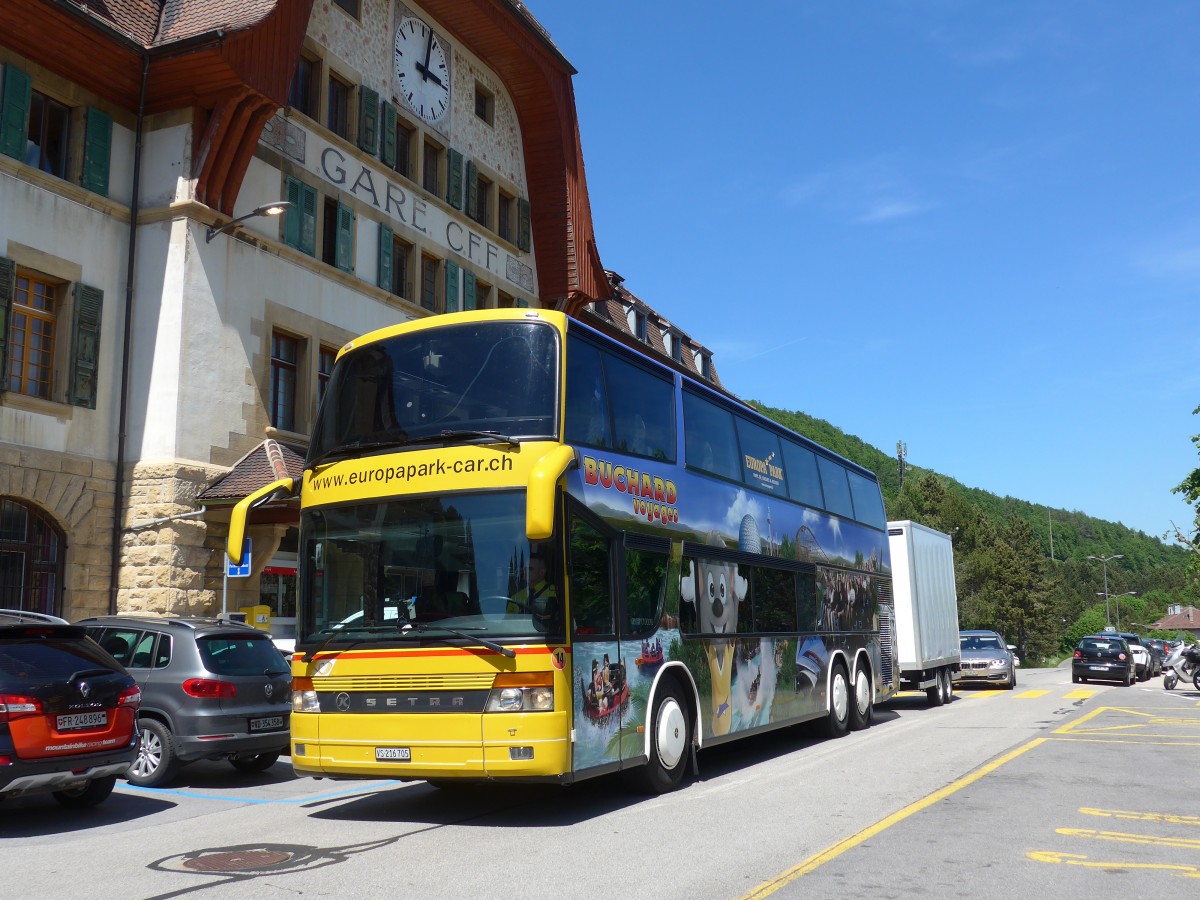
473, 682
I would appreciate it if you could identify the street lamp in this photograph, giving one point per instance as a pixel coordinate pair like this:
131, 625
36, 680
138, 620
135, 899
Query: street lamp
1104, 563
270, 209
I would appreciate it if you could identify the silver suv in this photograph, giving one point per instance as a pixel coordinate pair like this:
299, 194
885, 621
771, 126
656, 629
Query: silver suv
211, 689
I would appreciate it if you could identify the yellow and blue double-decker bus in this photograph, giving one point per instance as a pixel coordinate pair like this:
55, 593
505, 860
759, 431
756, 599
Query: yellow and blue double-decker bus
529, 551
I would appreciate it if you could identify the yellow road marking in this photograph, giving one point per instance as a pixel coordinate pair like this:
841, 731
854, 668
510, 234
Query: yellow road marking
1080, 694
813, 862
1032, 695
1074, 859
1162, 818
979, 695
1126, 838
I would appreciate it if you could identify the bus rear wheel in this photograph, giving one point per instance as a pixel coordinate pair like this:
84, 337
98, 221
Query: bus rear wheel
861, 710
670, 742
837, 722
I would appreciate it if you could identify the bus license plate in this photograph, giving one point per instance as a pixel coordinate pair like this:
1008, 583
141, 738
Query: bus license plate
266, 723
401, 753
81, 720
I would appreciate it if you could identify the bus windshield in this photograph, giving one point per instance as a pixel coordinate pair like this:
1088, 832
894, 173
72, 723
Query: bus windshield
460, 562
497, 376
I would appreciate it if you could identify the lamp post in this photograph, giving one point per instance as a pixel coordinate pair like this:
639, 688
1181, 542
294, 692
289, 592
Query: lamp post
270, 209
1104, 564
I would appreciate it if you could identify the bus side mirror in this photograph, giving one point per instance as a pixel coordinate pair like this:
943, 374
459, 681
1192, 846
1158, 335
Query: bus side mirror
539, 498
235, 542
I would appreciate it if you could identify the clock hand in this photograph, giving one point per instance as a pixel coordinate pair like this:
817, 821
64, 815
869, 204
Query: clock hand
424, 69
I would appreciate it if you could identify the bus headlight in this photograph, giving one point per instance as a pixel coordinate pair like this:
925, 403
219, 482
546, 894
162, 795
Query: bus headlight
522, 692
304, 698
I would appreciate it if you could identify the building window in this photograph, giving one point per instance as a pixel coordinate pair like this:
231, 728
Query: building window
485, 104
429, 273
505, 205
505, 301
30, 558
483, 202
48, 135
404, 145
337, 235
483, 291
637, 323
285, 357
431, 164
338, 119
401, 265
676, 348
303, 95
350, 6
31, 336
325, 359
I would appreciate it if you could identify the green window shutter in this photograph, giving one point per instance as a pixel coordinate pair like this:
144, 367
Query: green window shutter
85, 346
472, 189
368, 120
293, 214
97, 149
14, 112
454, 181
524, 241
387, 137
451, 287
468, 289
385, 257
345, 238
8, 277
308, 220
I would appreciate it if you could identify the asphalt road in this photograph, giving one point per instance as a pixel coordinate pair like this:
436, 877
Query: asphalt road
1049, 789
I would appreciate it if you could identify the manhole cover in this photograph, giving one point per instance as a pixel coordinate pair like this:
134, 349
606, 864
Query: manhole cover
236, 860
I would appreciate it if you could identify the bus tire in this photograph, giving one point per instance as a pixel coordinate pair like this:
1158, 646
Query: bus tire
861, 709
670, 742
837, 722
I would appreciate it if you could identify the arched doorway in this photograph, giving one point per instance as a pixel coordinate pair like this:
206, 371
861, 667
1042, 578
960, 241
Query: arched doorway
31, 558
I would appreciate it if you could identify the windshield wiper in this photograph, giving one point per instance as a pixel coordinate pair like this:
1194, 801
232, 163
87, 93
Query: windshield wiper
356, 448
491, 437
336, 631
491, 645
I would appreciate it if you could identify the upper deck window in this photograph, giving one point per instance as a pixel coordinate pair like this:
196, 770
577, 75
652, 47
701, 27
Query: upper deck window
430, 386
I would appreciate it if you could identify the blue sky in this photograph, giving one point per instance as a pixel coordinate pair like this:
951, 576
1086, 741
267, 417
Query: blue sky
970, 226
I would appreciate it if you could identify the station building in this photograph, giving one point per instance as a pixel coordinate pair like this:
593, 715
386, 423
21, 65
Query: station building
200, 202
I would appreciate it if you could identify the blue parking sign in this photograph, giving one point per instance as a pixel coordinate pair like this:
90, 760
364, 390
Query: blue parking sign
242, 571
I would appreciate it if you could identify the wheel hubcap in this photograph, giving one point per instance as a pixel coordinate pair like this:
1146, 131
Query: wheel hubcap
862, 693
671, 734
149, 754
841, 697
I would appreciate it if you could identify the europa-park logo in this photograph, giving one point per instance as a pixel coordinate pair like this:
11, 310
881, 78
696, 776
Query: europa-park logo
653, 497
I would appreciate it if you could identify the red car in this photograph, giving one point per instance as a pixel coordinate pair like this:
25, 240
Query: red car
68, 712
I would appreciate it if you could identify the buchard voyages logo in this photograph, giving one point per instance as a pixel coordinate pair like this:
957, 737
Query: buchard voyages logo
653, 497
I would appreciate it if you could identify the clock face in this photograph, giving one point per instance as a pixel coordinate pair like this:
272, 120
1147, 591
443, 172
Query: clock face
422, 69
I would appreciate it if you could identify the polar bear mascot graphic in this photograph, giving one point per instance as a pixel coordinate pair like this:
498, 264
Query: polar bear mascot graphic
716, 589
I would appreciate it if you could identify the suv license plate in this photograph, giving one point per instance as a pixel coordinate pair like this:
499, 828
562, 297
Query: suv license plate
401, 753
266, 723
82, 720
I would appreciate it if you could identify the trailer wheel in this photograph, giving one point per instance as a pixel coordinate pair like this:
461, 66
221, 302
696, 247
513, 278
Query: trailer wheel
838, 720
862, 711
937, 693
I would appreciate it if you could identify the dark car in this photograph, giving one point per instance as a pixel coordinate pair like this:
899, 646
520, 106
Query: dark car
1143, 659
1103, 657
1158, 649
984, 657
68, 712
211, 689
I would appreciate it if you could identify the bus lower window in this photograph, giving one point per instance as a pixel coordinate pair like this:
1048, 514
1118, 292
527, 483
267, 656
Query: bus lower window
645, 579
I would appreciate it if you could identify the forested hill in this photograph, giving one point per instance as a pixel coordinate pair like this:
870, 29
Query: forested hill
1076, 534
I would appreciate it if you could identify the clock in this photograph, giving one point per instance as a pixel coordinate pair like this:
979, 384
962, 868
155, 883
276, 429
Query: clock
422, 69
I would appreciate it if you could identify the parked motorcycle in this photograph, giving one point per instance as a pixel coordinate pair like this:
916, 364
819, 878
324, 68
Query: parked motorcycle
1183, 663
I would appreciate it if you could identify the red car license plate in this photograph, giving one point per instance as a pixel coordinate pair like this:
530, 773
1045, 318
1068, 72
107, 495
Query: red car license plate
74, 721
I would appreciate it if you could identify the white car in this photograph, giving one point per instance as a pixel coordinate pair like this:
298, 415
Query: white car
1142, 665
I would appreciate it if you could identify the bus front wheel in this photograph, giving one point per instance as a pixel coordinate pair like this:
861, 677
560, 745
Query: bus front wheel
670, 742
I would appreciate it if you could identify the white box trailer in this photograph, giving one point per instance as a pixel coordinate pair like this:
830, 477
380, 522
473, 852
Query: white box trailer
926, 604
